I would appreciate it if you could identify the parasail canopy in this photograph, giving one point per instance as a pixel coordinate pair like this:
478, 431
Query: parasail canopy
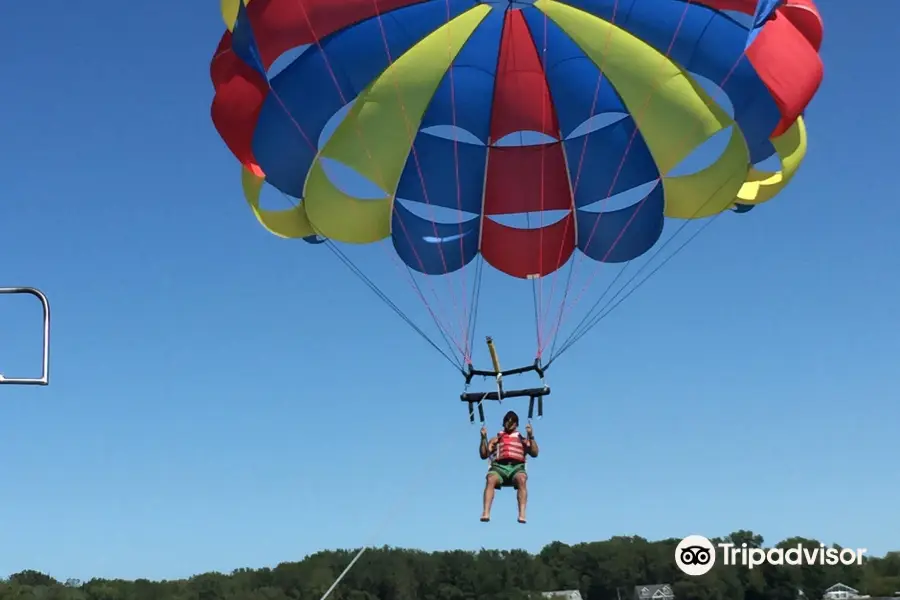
495, 108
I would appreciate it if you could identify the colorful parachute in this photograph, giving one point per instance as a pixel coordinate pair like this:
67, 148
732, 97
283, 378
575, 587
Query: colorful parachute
487, 70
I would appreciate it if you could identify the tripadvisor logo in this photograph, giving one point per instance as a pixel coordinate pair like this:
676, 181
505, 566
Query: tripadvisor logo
696, 555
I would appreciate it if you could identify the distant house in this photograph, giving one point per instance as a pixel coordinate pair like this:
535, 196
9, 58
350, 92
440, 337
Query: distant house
660, 591
563, 595
839, 591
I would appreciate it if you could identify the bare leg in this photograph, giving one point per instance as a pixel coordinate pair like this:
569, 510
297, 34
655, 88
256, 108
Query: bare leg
521, 494
489, 488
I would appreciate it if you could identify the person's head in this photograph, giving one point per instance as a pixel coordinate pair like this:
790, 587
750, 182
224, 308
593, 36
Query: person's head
510, 422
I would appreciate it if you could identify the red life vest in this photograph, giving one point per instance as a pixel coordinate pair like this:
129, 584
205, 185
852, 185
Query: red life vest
510, 446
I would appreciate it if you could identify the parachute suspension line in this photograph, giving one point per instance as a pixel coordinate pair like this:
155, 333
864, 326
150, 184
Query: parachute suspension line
357, 270
539, 297
562, 305
613, 304
615, 243
544, 310
537, 281
412, 134
571, 267
444, 334
359, 273
591, 320
317, 41
367, 281
392, 305
589, 313
473, 315
442, 328
536, 301
468, 332
612, 186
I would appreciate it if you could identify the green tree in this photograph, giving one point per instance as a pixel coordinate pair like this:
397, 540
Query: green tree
606, 570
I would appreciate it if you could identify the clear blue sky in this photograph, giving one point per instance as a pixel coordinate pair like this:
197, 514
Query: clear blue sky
202, 368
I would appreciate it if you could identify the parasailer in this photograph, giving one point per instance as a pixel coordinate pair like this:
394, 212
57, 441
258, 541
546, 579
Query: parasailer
507, 451
453, 116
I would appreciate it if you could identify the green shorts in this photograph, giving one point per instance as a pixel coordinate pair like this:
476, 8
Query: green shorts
506, 473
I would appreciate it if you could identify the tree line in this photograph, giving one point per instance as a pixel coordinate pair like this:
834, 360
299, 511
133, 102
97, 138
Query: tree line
607, 570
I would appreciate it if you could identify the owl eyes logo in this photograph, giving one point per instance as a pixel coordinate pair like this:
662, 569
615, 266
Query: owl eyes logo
695, 555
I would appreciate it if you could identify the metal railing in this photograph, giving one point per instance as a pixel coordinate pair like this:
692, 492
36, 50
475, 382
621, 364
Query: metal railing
44, 379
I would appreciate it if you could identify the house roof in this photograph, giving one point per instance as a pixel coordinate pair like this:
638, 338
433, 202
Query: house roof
658, 591
563, 595
840, 587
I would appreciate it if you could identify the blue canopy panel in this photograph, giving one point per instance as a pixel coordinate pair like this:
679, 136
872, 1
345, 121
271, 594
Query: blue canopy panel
595, 160
433, 248
328, 76
451, 172
622, 235
472, 74
765, 9
603, 162
708, 43
243, 41
611, 236
463, 98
